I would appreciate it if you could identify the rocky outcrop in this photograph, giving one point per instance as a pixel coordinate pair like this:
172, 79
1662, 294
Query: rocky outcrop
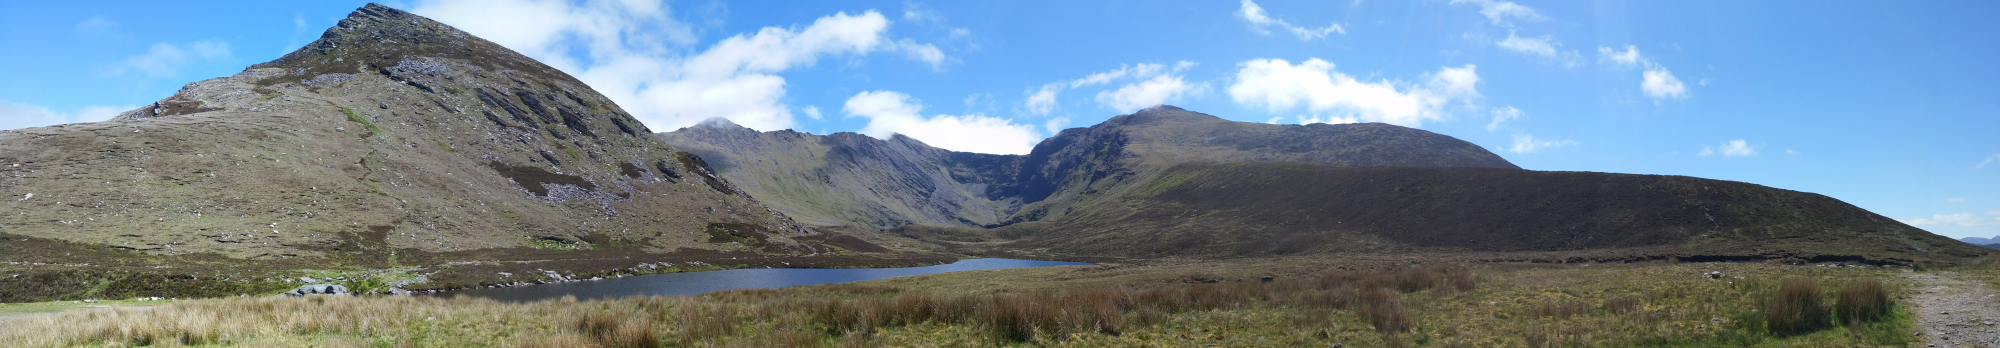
319, 289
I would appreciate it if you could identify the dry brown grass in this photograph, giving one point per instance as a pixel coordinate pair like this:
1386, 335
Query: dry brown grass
1862, 302
1560, 306
1622, 304
1798, 307
1384, 309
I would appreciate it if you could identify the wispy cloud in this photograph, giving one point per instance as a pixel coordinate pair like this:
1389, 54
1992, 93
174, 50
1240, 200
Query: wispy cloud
1260, 20
1277, 85
1955, 200
811, 111
891, 113
1499, 12
1628, 57
1995, 158
1154, 84
1541, 46
1504, 114
96, 25
1991, 217
1524, 143
17, 115
1731, 148
638, 55
1655, 81
166, 59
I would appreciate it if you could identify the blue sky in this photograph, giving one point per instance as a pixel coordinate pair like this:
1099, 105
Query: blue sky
1892, 106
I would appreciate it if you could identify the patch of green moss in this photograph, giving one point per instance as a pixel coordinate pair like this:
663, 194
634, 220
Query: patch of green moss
356, 118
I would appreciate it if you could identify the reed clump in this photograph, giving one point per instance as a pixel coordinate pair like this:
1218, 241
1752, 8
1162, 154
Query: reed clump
1864, 301
1797, 308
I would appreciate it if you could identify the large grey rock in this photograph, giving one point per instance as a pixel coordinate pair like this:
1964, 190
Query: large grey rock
318, 289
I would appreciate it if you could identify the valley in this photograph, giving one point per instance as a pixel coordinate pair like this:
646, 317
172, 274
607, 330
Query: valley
397, 157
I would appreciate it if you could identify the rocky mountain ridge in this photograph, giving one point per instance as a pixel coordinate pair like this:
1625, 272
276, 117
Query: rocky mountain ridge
848, 178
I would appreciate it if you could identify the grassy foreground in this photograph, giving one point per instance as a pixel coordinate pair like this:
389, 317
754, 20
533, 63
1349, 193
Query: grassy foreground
1264, 302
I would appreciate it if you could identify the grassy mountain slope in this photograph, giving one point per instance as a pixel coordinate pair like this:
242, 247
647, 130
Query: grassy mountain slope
388, 141
1083, 166
1245, 209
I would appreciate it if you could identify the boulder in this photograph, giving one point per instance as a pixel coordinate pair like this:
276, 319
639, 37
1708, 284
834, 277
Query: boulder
318, 289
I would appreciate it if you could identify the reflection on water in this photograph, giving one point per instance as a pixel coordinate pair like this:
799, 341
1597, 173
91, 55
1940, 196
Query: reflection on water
672, 284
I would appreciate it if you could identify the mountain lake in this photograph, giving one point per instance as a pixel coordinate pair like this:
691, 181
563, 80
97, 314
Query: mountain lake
692, 283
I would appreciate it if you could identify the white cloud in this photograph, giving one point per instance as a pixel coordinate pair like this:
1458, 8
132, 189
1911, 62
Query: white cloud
1055, 125
1661, 84
165, 59
812, 111
1656, 81
1542, 46
1499, 11
1731, 148
1961, 219
1277, 85
17, 115
1628, 57
1989, 160
1327, 119
1041, 102
923, 52
1524, 143
1155, 91
1504, 114
891, 113
637, 54
1157, 84
1259, 20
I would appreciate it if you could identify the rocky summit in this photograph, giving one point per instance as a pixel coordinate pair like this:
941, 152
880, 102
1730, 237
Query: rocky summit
392, 137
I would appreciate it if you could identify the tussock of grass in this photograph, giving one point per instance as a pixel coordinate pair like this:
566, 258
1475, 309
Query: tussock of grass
1798, 308
1862, 302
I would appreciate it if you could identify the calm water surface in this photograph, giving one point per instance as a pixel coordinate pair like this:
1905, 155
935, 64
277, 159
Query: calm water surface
673, 284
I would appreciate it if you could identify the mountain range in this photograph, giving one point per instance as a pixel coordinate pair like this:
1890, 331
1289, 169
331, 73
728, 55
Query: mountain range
1168, 182
398, 144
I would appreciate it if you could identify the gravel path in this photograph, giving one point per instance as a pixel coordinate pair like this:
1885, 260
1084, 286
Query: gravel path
1954, 310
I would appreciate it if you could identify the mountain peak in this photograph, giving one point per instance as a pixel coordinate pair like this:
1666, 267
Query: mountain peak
376, 36
1163, 113
720, 124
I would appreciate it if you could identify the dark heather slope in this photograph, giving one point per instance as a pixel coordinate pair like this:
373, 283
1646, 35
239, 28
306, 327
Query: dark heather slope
848, 178
391, 138
1249, 209
1081, 166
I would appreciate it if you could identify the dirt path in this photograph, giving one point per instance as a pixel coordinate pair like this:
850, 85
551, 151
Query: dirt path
1955, 310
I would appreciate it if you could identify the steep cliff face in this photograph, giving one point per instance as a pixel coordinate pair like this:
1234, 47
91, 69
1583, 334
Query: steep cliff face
392, 131
848, 178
